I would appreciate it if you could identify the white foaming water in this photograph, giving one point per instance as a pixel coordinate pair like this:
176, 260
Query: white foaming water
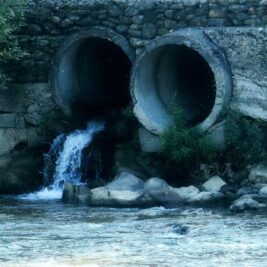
68, 163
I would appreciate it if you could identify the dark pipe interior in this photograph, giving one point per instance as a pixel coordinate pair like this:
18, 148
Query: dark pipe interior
101, 73
185, 79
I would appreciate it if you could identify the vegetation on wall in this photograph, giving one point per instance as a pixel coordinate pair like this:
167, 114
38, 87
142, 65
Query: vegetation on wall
11, 18
185, 150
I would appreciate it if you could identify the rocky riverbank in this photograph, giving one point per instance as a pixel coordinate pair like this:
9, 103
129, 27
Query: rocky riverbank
129, 190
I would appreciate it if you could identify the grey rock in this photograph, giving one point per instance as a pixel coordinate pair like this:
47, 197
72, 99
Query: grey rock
206, 197
138, 19
135, 33
263, 3
122, 28
114, 10
102, 196
148, 141
149, 30
76, 193
247, 190
214, 184
258, 174
160, 191
55, 19
126, 181
218, 13
181, 229
246, 203
237, 8
126, 190
170, 14
66, 22
188, 193
263, 190
130, 11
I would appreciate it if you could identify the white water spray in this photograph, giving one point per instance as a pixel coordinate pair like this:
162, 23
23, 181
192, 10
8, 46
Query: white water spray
69, 161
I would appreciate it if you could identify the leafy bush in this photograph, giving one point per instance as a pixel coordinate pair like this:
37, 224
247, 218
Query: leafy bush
11, 17
245, 140
187, 146
185, 149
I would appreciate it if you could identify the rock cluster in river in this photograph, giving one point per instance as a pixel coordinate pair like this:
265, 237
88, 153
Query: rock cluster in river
128, 190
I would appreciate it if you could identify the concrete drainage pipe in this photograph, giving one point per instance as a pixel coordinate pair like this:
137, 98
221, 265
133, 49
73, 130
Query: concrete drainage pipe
91, 73
183, 69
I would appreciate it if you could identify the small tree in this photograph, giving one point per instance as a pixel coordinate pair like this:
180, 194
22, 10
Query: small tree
187, 146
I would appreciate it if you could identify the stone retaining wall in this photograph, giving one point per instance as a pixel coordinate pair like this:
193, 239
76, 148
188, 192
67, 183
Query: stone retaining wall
238, 27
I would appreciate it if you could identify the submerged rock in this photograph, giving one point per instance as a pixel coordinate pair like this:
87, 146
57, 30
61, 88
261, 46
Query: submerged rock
181, 229
246, 203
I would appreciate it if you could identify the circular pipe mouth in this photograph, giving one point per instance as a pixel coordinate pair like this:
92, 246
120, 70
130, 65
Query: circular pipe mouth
91, 73
182, 70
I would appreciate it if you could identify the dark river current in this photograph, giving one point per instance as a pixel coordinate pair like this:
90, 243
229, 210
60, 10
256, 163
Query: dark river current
39, 233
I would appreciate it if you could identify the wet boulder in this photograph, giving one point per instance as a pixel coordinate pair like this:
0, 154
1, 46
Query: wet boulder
206, 197
258, 174
214, 184
180, 229
187, 193
246, 202
191, 194
126, 190
161, 192
76, 193
126, 181
263, 191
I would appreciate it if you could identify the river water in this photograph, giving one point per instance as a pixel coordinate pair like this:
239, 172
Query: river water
50, 233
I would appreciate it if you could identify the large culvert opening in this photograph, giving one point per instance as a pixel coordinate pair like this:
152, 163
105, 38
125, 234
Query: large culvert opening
184, 79
178, 76
92, 77
182, 70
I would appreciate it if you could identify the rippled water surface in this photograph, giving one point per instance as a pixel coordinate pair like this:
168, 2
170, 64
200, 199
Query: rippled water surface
56, 234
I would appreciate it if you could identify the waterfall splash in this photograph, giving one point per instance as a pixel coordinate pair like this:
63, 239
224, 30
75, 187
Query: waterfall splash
68, 162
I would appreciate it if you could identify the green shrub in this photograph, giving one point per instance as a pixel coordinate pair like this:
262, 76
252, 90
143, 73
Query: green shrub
245, 140
184, 145
11, 17
185, 148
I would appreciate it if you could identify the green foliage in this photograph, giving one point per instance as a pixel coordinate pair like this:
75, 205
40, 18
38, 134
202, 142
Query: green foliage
245, 140
11, 17
187, 146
